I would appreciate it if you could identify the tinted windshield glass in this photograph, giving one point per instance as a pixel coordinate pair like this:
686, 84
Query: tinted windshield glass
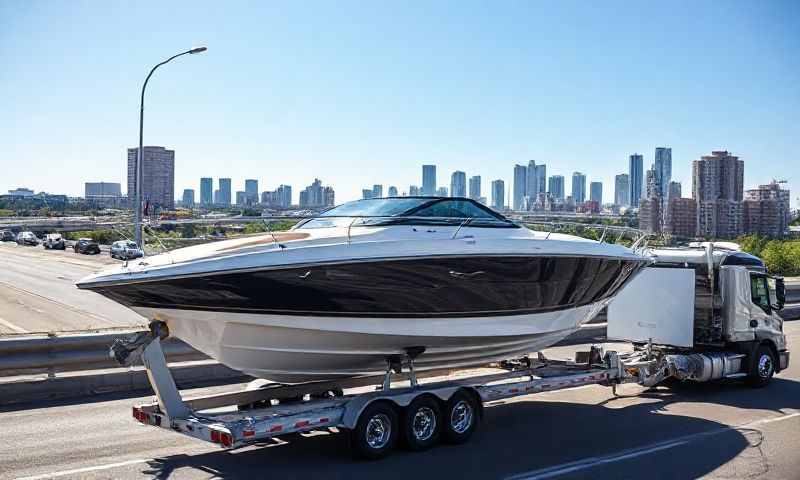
378, 207
453, 209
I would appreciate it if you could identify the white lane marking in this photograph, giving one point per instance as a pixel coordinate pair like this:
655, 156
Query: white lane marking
591, 462
64, 473
15, 328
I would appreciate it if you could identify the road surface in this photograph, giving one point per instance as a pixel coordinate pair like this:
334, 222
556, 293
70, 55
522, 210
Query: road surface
38, 293
713, 430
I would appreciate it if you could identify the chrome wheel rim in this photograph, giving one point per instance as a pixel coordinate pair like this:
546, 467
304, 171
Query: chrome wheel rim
424, 423
461, 416
765, 366
378, 431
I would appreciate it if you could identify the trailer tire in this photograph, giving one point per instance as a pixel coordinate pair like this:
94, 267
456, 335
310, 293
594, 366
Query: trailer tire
762, 367
421, 423
375, 434
460, 417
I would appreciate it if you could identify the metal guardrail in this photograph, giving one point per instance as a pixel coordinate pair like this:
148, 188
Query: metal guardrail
71, 353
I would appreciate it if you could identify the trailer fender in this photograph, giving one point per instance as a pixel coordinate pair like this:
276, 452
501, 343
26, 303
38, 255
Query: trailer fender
357, 405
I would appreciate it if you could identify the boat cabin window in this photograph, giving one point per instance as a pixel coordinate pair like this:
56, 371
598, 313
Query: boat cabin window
397, 210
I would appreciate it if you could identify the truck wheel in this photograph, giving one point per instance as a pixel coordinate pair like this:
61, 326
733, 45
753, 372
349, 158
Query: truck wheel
461, 418
422, 423
762, 367
376, 431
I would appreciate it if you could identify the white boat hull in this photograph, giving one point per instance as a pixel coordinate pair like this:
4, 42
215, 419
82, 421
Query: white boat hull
295, 349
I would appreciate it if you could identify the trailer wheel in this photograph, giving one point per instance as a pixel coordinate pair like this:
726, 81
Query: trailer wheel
422, 423
461, 418
376, 431
762, 367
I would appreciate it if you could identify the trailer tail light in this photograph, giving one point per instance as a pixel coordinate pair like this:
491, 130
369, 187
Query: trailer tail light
215, 436
226, 439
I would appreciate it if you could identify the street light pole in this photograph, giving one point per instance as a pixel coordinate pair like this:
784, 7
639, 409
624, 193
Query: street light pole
137, 202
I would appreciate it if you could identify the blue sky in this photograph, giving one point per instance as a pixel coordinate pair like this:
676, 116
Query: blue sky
358, 93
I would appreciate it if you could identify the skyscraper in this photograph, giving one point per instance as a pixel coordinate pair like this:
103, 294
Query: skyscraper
441, 192
224, 191
158, 176
475, 187
541, 178
622, 190
718, 187
596, 192
392, 191
377, 191
636, 172
556, 187
578, 187
188, 197
532, 182
251, 190
413, 191
520, 187
662, 167
366, 193
674, 190
429, 180
315, 195
206, 190
766, 210
458, 184
498, 195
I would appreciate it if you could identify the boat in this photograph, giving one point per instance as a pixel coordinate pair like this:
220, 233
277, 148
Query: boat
338, 294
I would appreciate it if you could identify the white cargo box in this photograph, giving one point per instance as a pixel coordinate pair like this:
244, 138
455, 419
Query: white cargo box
657, 305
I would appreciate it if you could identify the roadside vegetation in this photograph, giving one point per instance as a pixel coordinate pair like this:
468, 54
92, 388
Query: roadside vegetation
782, 257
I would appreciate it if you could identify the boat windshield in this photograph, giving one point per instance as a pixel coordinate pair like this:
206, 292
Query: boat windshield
409, 211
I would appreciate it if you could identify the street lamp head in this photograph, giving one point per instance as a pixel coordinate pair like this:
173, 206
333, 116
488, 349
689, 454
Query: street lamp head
198, 50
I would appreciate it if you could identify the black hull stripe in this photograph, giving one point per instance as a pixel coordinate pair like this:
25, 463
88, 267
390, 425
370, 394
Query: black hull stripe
422, 288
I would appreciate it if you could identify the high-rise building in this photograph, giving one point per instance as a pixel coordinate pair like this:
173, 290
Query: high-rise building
413, 191
662, 167
106, 194
556, 187
224, 191
315, 196
281, 197
475, 187
520, 187
441, 192
766, 211
366, 193
285, 195
681, 217
674, 190
636, 172
377, 191
458, 184
206, 191
622, 190
251, 190
718, 189
578, 187
652, 189
498, 195
158, 176
429, 180
392, 191
532, 182
650, 215
596, 192
188, 197
541, 179
216, 197
241, 198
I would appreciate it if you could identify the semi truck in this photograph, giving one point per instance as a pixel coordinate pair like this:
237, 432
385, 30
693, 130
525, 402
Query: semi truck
697, 314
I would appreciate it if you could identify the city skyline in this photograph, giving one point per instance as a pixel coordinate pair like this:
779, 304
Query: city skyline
374, 106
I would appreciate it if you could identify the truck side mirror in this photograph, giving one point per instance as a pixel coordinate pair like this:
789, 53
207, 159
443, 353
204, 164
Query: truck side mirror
780, 293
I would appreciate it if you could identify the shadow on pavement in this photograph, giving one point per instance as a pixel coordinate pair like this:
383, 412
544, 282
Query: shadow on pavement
522, 437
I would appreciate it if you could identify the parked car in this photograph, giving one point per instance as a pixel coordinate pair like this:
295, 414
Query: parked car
27, 238
125, 250
54, 241
7, 236
86, 245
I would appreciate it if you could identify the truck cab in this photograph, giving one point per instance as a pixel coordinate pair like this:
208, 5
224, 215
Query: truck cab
712, 299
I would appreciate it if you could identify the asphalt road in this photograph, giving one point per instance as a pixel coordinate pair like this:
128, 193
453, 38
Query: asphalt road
711, 430
38, 293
